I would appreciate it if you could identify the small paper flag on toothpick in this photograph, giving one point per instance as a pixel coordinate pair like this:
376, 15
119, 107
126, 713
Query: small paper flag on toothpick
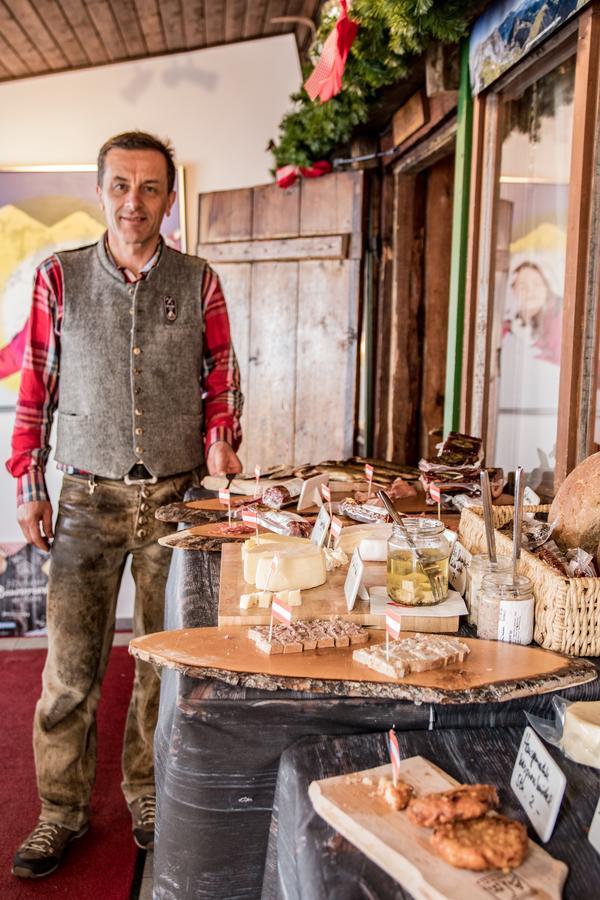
393, 622
369, 470
250, 517
257, 486
336, 528
282, 612
224, 496
394, 755
326, 492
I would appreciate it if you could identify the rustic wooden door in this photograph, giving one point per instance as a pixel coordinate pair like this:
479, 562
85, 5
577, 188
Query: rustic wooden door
290, 265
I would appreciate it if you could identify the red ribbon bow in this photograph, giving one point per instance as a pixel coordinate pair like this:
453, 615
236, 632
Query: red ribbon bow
326, 78
288, 175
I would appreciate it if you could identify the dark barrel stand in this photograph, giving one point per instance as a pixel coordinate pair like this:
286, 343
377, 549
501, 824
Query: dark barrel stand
218, 748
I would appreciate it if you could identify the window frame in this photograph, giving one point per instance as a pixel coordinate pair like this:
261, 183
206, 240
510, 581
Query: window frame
581, 310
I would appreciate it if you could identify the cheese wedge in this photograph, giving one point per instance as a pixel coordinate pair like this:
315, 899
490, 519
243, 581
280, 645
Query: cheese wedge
291, 598
581, 732
300, 568
272, 543
353, 535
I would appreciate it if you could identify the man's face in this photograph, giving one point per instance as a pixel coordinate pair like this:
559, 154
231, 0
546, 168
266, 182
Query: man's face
134, 195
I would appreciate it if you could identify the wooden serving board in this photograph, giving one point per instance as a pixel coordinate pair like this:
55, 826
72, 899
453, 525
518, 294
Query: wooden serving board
196, 538
326, 600
493, 671
402, 849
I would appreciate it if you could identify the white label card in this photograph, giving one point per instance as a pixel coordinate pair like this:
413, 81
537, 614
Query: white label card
530, 498
310, 494
319, 533
460, 560
353, 584
538, 783
594, 832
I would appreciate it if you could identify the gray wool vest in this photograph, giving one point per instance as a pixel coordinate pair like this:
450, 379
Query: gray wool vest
130, 365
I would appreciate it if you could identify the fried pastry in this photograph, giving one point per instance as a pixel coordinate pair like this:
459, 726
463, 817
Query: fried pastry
395, 795
491, 842
469, 801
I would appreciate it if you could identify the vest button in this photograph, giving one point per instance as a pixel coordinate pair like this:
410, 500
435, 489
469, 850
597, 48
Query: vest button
138, 412
137, 351
137, 372
141, 533
144, 507
141, 520
139, 449
131, 291
131, 310
139, 430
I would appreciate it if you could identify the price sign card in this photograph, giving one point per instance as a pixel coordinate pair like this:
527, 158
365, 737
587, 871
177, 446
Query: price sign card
310, 495
460, 560
319, 533
353, 584
594, 832
538, 783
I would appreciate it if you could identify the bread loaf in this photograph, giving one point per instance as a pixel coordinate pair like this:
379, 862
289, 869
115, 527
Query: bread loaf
577, 506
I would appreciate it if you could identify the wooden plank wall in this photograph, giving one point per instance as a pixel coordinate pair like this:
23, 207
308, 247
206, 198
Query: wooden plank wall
290, 263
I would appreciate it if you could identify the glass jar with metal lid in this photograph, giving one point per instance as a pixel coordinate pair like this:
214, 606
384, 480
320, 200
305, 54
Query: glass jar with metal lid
506, 608
480, 566
407, 584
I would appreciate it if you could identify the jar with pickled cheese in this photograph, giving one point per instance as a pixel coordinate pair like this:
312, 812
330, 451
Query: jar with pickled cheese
407, 584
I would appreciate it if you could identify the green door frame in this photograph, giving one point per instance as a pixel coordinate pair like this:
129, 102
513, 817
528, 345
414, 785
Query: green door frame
460, 234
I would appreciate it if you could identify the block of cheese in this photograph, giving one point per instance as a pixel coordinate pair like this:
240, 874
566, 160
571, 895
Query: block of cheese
248, 600
291, 598
353, 535
373, 549
300, 568
581, 732
272, 543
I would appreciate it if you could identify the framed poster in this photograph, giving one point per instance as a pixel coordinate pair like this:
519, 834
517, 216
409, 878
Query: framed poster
44, 209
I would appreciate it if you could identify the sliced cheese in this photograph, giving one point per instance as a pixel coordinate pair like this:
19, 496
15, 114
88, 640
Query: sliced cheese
581, 732
291, 598
248, 600
299, 568
334, 558
264, 599
272, 543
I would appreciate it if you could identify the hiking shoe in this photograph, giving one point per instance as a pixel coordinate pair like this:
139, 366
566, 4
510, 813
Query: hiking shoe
143, 814
42, 852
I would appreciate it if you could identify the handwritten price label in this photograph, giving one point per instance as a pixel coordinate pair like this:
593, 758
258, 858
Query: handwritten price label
353, 583
538, 783
319, 533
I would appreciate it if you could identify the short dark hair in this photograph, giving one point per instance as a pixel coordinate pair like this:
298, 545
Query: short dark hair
138, 140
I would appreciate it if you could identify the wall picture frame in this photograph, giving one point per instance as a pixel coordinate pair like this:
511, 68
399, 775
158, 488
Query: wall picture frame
44, 209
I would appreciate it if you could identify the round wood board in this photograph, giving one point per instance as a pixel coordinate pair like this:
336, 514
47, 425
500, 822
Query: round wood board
196, 538
493, 670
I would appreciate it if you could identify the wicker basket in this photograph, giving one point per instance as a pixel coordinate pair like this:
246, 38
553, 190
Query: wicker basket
567, 610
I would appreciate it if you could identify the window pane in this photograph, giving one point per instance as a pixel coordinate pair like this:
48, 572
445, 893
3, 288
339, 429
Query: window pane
530, 272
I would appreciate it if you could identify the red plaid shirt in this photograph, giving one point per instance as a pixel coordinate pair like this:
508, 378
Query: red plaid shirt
38, 393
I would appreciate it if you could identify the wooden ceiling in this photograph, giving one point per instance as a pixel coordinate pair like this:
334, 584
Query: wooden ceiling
42, 36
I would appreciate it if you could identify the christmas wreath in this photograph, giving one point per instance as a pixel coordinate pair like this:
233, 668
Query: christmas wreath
390, 34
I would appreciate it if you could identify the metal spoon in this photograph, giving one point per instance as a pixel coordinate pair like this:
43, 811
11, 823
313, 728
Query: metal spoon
486, 496
518, 519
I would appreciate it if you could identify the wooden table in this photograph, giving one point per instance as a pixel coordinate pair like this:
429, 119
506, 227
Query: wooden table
218, 747
309, 859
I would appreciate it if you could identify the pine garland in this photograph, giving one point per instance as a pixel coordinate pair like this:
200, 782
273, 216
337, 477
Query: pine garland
391, 33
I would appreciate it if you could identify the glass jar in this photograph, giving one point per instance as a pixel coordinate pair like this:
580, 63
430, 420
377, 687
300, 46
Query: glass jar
407, 584
506, 609
480, 566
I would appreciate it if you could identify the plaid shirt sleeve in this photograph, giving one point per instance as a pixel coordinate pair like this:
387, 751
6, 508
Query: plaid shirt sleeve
223, 401
38, 392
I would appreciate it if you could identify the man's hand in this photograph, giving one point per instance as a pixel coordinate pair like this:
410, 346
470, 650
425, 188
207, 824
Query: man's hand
222, 460
35, 519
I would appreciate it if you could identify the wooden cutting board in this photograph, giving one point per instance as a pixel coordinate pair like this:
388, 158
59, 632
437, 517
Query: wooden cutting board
195, 538
403, 851
493, 671
326, 600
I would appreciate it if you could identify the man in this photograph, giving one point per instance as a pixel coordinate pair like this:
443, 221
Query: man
129, 340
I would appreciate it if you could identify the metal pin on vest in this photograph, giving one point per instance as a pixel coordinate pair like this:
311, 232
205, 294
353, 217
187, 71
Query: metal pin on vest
170, 305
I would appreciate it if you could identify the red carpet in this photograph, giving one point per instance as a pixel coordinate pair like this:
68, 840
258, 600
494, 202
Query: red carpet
101, 865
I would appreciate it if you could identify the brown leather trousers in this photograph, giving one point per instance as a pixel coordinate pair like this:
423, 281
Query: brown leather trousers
95, 532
